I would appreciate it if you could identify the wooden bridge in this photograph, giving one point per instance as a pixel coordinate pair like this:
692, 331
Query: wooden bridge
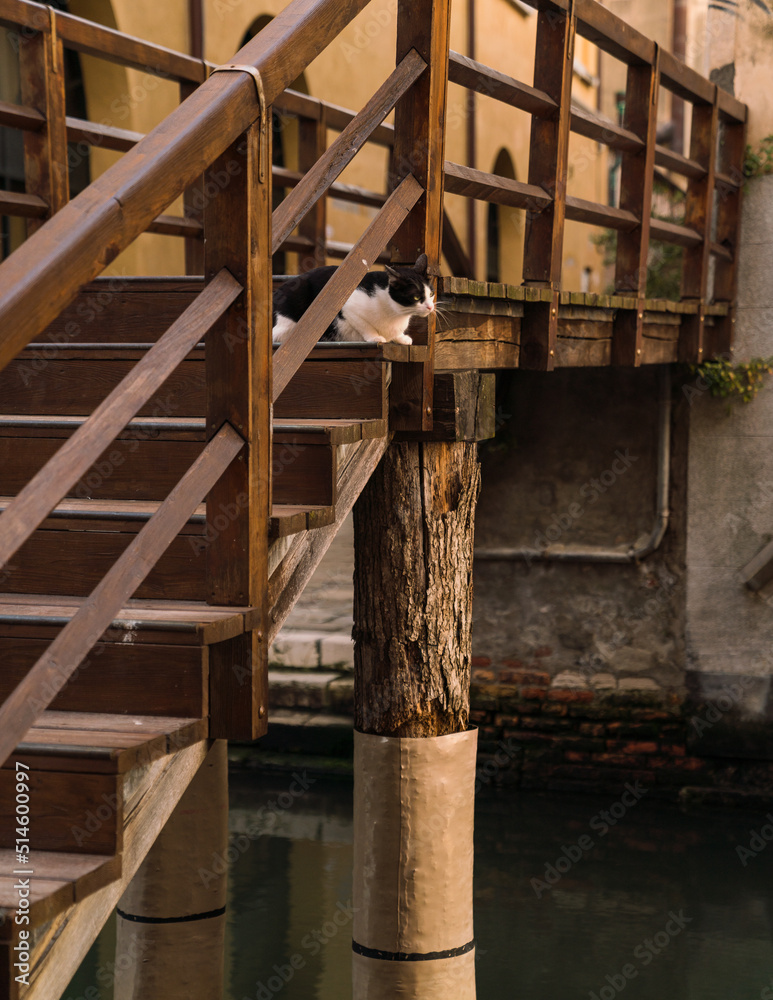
169, 481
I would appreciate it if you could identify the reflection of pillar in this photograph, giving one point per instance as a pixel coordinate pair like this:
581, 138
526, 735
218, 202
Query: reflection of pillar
414, 760
171, 919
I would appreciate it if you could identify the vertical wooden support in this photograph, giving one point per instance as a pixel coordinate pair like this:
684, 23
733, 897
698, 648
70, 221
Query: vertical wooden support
413, 526
698, 215
414, 792
193, 199
637, 172
238, 355
420, 150
732, 143
548, 168
312, 143
171, 918
41, 66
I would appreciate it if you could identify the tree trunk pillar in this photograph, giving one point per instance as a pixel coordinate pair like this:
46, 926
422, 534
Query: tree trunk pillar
171, 918
414, 768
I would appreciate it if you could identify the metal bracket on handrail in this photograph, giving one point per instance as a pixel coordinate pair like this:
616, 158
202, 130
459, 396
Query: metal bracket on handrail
54, 41
255, 74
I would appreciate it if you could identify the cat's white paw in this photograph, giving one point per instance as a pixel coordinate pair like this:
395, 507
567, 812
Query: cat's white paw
376, 338
402, 338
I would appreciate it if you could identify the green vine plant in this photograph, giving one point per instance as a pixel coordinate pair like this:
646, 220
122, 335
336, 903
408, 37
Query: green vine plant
726, 380
758, 162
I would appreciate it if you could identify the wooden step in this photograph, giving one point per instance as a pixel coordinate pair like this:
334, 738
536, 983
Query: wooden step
74, 761
57, 880
78, 543
72, 379
151, 455
153, 660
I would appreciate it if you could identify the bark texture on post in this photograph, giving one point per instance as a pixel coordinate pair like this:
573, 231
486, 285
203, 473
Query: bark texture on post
413, 526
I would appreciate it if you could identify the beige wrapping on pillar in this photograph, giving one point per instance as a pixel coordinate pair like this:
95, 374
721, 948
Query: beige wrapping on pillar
413, 858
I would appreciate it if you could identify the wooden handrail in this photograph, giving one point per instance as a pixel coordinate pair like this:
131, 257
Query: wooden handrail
294, 350
472, 183
54, 668
43, 276
79, 452
329, 166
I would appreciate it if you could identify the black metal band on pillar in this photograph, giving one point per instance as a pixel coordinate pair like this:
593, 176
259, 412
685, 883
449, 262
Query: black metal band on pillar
416, 956
171, 920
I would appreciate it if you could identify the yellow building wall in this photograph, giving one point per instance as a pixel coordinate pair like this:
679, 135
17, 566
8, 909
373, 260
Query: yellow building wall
347, 73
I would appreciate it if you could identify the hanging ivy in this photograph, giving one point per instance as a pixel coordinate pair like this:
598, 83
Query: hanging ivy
742, 380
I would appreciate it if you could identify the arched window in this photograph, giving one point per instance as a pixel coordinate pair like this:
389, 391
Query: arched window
504, 232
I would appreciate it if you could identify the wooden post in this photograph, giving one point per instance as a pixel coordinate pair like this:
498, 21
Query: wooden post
41, 66
413, 528
419, 149
698, 216
636, 181
414, 793
171, 918
193, 199
548, 169
312, 143
238, 231
729, 189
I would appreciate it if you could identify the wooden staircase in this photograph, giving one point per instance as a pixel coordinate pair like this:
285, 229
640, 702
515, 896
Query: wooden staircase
145, 690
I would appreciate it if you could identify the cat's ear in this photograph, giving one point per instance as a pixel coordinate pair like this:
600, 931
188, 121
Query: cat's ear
421, 264
391, 271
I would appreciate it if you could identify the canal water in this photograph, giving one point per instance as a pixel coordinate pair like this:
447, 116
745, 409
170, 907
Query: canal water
576, 897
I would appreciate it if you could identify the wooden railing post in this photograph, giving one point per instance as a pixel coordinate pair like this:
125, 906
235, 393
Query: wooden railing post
238, 361
636, 181
41, 65
419, 149
732, 144
698, 216
312, 143
193, 206
548, 169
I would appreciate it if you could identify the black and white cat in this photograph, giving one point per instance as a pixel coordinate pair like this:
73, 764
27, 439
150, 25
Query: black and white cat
378, 310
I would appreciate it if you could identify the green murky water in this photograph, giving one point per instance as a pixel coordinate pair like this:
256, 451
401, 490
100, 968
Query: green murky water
640, 900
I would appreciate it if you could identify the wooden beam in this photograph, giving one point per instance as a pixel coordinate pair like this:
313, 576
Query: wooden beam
636, 184
419, 150
698, 212
548, 169
464, 408
729, 192
239, 393
41, 70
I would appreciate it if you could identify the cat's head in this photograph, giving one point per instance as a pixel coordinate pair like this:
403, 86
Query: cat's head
409, 288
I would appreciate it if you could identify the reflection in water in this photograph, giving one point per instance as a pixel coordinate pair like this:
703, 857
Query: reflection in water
572, 899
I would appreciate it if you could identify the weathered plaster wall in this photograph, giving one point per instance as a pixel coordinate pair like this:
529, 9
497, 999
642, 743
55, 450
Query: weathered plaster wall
578, 466
730, 479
